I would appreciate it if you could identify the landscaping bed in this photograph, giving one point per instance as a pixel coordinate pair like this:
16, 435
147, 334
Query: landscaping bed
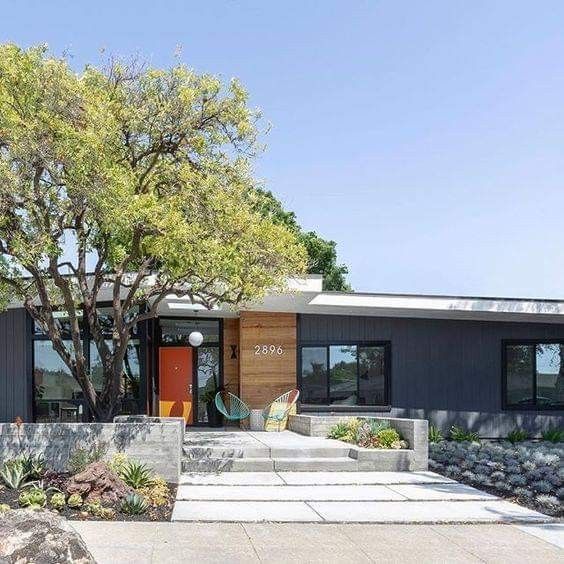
368, 433
530, 473
93, 488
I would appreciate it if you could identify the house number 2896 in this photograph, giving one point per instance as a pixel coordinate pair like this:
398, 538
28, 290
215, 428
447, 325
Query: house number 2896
269, 349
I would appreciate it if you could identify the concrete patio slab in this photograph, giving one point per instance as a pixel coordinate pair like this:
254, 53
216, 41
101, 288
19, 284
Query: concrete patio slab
425, 512
385, 478
549, 532
423, 492
296, 542
232, 478
283, 543
244, 511
288, 493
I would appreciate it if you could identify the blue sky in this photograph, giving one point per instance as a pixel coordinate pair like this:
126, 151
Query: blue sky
426, 138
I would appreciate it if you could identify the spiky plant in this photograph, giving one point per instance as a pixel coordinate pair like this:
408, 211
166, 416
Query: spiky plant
13, 474
553, 435
134, 504
136, 475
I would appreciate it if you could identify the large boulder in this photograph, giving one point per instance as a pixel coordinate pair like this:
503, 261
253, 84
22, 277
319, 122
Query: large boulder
40, 537
97, 482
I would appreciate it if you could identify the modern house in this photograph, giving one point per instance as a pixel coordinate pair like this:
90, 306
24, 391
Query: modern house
490, 364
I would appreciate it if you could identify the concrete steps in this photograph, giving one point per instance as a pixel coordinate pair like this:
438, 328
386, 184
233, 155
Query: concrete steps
252, 455
252, 464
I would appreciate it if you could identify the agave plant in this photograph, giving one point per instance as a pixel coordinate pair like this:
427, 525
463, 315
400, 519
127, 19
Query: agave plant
136, 475
34, 465
553, 435
134, 504
13, 474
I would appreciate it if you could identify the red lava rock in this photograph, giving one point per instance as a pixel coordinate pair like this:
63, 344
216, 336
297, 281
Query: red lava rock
97, 482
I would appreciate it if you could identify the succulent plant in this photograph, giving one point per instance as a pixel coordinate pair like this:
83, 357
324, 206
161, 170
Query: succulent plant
32, 496
74, 501
4, 507
57, 501
134, 504
13, 474
136, 475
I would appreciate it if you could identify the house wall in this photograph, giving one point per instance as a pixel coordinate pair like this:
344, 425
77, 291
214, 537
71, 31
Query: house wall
263, 377
445, 370
231, 355
15, 366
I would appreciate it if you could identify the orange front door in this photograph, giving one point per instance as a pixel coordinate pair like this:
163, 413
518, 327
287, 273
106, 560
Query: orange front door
175, 383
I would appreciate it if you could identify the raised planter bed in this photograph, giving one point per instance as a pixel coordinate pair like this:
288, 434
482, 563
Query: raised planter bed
414, 431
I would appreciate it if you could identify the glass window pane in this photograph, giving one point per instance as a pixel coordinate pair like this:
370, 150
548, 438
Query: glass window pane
177, 331
520, 377
130, 379
52, 378
61, 321
343, 375
372, 375
106, 320
208, 380
314, 375
550, 374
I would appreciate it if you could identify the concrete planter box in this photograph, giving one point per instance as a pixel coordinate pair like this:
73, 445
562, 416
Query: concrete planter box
414, 431
156, 442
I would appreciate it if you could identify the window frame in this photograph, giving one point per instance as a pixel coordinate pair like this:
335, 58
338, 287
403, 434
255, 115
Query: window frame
139, 332
534, 405
387, 345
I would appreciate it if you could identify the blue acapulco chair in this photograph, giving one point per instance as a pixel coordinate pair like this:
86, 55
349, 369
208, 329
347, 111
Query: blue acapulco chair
237, 410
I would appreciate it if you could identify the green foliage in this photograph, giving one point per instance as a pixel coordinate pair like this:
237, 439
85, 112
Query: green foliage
136, 475
134, 504
459, 434
157, 493
387, 437
517, 436
321, 253
13, 474
553, 435
75, 501
82, 457
435, 434
57, 501
32, 497
33, 465
4, 507
118, 462
147, 169
368, 433
339, 431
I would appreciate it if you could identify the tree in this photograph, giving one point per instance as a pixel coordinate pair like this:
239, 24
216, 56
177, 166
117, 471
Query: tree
131, 181
322, 254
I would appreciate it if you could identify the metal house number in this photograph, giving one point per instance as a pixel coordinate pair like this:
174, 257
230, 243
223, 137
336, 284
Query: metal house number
262, 350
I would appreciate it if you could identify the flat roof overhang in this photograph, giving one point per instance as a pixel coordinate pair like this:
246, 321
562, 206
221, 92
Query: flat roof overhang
389, 305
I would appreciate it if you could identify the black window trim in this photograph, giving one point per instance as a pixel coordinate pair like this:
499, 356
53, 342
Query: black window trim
386, 406
139, 333
525, 407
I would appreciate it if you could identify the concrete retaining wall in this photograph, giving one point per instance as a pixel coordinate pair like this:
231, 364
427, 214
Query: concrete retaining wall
156, 442
414, 431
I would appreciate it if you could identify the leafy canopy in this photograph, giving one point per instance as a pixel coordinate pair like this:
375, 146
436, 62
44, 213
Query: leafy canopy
136, 180
321, 253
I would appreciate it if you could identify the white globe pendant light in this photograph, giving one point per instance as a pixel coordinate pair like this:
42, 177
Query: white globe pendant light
195, 338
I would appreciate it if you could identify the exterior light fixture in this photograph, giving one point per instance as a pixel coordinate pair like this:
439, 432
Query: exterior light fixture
195, 338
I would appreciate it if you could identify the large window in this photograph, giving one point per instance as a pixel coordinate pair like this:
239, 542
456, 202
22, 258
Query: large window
533, 375
350, 374
58, 396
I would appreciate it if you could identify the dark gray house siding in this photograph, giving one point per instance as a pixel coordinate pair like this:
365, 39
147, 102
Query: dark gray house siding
448, 371
15, 366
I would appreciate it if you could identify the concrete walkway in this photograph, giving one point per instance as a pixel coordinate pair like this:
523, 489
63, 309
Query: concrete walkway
168, 543
340, 497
